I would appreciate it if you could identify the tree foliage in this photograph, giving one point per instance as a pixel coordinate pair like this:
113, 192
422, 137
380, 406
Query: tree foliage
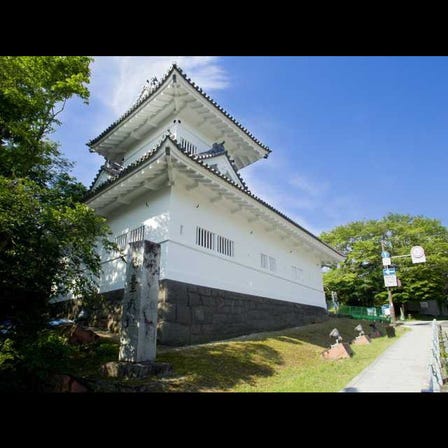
359, 279
48, 236
33, 92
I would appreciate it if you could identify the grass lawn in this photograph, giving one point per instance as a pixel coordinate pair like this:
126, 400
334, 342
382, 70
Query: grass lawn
281, 361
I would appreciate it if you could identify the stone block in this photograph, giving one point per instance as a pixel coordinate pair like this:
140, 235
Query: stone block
167, 311
338, 351
208, 329
237, 318
361, 340
170, 333
195, 330
177, 288
176, 292
390, 331
208, 301
221, 317
194, 299
183, 315
206, 292
198, 314
375, 334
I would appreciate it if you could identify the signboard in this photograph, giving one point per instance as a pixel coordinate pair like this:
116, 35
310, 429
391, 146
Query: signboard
390, 280
389, 271
385, 254
385, 310
386, 262
418, 254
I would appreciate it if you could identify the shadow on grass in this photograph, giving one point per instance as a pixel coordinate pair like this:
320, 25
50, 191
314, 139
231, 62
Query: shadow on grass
289, 339
318, 334
222, 366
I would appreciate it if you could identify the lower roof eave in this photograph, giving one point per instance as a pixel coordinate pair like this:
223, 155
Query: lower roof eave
142, 170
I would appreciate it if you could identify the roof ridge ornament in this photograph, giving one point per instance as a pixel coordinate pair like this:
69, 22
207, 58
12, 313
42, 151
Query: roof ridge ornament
113, 168
147, 89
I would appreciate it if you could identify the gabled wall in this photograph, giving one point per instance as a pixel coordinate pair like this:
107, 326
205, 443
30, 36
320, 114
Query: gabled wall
150, 209
183, 129
224, 167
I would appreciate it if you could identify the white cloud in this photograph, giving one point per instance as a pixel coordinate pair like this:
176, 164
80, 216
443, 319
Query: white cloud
308, 186
117, 81
280, 196
309, 201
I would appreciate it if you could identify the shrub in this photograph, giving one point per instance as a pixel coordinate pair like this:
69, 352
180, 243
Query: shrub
50, 353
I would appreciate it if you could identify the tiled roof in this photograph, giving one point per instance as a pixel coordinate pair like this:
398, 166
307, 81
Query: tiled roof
197, 88
96, 177
216, 150
198, 160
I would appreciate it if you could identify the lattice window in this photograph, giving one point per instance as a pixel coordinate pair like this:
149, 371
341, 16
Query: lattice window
264, 261
137, 234
205, 238
188, 146
225, 246
296, 273
272, 264
122, 240
212, 241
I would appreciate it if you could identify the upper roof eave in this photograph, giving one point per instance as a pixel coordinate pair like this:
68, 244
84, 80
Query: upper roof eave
139, 104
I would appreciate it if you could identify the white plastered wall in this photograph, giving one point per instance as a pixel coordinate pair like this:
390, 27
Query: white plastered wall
150, 209
190, 263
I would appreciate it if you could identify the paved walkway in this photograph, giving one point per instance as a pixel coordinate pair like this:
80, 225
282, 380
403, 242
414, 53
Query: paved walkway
403, 367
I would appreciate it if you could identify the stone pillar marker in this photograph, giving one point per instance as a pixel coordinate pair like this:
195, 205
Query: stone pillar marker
138, 337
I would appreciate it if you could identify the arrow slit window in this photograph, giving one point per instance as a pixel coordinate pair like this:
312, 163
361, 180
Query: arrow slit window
212, 241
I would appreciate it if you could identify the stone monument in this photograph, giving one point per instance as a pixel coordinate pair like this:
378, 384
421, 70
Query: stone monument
362, 338
339, 349
138, 337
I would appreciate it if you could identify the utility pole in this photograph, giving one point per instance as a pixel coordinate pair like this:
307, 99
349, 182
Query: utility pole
389, 296
390, 279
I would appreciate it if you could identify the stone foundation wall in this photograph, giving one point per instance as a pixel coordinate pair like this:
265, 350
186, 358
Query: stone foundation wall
191, 314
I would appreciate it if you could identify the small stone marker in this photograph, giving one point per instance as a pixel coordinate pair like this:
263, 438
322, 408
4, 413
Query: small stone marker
339, 350
374, 332
390, 331
361, 339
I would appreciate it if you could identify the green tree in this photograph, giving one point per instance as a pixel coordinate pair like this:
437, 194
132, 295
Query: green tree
359, 279
48, 237
33, 92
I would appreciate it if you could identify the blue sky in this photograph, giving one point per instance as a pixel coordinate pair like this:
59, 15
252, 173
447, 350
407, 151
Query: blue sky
351, 137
